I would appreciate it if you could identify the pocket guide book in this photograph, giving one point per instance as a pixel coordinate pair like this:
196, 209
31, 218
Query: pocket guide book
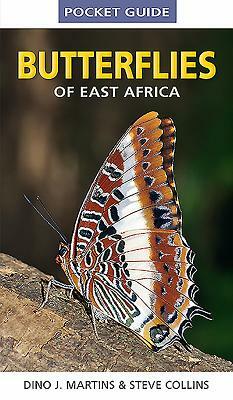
116, 190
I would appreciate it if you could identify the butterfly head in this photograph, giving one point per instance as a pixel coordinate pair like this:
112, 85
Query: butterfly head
63, 256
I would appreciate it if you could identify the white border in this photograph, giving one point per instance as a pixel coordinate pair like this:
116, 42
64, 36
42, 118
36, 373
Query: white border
220, 385
44, 14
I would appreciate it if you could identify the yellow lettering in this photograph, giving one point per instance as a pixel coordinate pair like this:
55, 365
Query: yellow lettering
140, 64
207, 64
156, 72
101, 64
86, 55
26, 67
174, 65
68, 55
185, 65
54, 65
123, 60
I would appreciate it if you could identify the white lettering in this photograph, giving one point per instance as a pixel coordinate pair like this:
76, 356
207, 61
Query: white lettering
61, 91
147, 12
151, 91
174, 92
67, 10
91, 12
166, 12
78, 12
104, 91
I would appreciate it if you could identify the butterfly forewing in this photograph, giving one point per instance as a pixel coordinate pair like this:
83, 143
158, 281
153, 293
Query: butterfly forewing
133, 263
133, 178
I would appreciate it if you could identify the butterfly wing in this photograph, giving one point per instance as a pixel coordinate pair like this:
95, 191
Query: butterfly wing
140, 162
134, 264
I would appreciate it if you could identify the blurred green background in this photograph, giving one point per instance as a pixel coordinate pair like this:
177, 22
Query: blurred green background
54, 147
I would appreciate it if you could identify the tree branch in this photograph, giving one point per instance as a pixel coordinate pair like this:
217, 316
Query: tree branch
60, 337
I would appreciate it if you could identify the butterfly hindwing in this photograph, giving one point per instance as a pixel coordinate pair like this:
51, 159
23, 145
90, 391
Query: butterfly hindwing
142, 288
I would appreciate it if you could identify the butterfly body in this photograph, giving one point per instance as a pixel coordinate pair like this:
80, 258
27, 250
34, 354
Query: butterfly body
127, 256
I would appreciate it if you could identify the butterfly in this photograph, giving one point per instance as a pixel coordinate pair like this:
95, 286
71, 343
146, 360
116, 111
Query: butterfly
128, 258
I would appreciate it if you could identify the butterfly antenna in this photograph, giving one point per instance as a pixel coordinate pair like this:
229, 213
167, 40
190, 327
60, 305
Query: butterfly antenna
50, 221
48, 213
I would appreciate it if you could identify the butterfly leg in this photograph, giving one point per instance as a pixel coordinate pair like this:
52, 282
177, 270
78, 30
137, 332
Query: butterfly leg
54, 282
65, 286
94, 321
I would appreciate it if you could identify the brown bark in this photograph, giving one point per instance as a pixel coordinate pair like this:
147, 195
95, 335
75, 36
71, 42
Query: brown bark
60, 336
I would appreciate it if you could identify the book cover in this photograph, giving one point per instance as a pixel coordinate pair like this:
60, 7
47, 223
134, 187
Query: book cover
116, 171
